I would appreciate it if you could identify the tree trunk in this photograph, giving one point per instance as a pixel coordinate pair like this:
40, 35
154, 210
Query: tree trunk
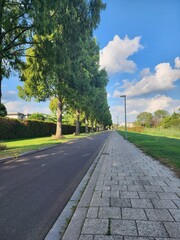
86, 124
0, 80
92, 126
77, 123
59, 119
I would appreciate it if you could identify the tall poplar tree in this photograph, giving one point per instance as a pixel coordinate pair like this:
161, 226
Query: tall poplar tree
19, 21
49, 72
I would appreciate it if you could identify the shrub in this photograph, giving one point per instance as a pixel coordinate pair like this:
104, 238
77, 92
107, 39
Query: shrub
3, 111
2, 146
16, 129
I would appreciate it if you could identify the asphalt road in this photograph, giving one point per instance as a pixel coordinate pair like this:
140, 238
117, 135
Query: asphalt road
35, 189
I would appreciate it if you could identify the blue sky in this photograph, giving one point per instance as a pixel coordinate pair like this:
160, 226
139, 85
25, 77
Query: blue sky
140, 49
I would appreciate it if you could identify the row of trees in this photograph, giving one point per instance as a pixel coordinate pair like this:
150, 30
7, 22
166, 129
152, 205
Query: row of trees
159, 118
62, 58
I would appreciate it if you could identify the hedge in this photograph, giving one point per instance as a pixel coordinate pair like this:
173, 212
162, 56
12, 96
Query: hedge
16, 129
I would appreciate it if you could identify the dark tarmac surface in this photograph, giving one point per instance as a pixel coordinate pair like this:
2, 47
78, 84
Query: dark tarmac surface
34, 189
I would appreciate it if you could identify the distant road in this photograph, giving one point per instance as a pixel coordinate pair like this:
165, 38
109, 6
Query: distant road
35, 189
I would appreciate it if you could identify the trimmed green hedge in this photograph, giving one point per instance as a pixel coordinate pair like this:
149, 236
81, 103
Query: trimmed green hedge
16, 129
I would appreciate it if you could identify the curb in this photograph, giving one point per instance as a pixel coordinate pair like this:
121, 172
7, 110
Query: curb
58, 229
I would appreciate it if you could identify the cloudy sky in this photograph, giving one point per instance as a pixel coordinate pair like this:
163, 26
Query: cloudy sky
140, 49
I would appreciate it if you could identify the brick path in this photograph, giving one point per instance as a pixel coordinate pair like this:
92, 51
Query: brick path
129, 197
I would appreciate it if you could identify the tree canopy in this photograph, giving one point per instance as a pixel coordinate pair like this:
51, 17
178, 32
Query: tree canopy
65, 63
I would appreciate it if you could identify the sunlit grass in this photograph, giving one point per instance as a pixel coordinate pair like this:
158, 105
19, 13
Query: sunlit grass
169, 132
16, 147
166, 149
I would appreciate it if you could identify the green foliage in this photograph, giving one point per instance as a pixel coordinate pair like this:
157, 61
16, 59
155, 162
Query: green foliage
144, 119
3, 111
12, 128
161, 114
163, 148
37, 116
19, 21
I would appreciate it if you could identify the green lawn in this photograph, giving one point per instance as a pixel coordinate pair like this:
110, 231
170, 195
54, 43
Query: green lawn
166, 149
16, 147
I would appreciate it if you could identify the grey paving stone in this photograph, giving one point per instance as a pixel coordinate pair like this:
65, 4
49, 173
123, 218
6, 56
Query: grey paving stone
133, 214
139, 238
167, 195
122, 203
103, 188
74, 228
177, 202
129, 195
173, 229
154, 189
103, 237
160, 203
86, 237
142, 182
141, 203
92, 212
119, 188
158, 214
167, 239
99, 202
95, 226
148, 195
109, 212
135, 188
123, 227
112, 194
151, 229
97, 194
170, 189
176, 214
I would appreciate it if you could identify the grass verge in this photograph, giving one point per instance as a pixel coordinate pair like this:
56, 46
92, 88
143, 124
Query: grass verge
165, 149
16, 147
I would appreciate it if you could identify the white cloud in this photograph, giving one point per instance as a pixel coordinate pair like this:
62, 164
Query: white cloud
177, 62
26, 107
145, 72
108, 95
163, 79
114, 57
136, 106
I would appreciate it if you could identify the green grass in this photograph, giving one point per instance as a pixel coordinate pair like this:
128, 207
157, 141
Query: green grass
16, 147
169, 132
166, 149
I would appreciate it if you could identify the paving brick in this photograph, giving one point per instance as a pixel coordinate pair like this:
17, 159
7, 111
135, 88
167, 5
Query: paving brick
86, 237
176, 214
97, 194
122, 203
141, 203
92, 212
99, 202
148, 195
109, 212
159, 203
158, 214
135, 188
167, 195
139, 238
95, 226
133, 214
129, 195
177, 202
154, 189
112, 194
123, 227
119, 188
151, 229
173, 229
104, 237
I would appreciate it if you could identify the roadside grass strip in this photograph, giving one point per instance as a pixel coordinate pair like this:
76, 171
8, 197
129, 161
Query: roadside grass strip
166, 149
19, 146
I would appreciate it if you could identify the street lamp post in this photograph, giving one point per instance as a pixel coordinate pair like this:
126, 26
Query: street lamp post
124, 96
